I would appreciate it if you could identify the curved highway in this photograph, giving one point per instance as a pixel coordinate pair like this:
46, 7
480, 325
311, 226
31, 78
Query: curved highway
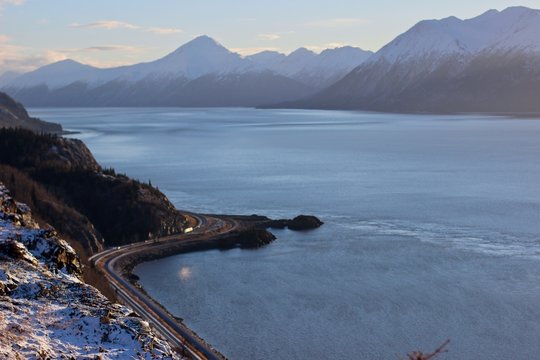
178, 335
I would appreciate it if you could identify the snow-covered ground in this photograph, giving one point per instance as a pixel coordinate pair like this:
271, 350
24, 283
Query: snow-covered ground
47, 312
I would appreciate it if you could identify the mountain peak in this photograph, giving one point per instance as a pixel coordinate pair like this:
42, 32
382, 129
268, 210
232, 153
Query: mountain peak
302, 52
67, 63
201, 43
204, 39
521, 9
200, 56
267, 57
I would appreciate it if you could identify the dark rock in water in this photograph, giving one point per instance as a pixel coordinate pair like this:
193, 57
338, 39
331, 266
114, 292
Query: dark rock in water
278, 224
250, 238
301, 222
304, 222
255, 238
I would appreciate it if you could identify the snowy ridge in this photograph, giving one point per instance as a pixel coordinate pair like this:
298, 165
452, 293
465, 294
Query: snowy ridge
485, 64
310, 68
47, 312
513, 29
200, 57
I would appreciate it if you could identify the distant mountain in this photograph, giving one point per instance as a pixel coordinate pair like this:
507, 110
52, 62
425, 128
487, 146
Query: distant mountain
14, 115
199, 73
56, 75
486, 64
316, 70
9, 76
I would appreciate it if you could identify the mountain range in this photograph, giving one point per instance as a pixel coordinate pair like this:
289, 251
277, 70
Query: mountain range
490, 63
199, 73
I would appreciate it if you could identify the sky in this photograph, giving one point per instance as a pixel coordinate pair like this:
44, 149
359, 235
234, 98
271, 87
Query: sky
108, 33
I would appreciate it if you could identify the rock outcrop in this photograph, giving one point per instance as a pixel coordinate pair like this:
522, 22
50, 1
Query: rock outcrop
304, 222
299, 223
250, 238
47, 312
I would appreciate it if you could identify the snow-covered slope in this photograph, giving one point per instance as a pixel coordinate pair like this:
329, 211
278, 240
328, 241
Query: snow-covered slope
47, 312
514, 29
487, 63
199, 57
268, 59
202, 56
318, 70
56, 75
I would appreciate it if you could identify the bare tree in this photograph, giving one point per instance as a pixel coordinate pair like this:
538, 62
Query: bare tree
418, 355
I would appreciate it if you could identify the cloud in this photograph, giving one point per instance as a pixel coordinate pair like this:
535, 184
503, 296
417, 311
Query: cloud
106, 24
163, 31
4, 38
338, 22
269, 37
123, 48
17, 58
20, 59
10, 2
115, 25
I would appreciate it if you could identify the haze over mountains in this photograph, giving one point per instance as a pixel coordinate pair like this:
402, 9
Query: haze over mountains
490, 63
199, 73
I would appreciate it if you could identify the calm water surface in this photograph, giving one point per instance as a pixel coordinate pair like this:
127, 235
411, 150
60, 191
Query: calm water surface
432, 227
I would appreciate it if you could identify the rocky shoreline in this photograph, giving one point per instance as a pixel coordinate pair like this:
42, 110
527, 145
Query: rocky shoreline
252, 233
217, 232
47, 312
65, 186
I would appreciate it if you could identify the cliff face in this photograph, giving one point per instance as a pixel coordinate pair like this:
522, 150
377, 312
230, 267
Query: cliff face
47, 312
14, 115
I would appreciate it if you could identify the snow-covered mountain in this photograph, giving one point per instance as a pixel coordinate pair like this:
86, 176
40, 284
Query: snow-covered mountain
56, 75
515, 29
318, 70
199, 73
199, 57
489, 63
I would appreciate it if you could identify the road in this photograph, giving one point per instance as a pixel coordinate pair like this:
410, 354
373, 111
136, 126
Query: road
178, 335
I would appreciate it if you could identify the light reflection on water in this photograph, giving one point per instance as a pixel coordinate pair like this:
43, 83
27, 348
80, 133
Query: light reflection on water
185, 273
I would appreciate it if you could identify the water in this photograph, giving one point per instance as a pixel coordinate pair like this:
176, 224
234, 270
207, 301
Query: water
432, 227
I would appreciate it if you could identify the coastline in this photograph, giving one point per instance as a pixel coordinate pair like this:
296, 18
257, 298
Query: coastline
212, 232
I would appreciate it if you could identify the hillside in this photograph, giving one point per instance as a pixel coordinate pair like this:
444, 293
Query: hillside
14, 115
122, 210
47, 312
